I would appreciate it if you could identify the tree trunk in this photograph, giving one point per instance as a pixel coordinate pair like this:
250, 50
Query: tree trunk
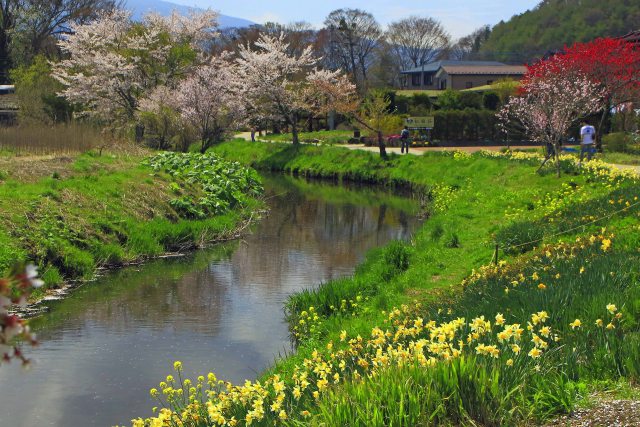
294, 133
331, 120
381, 146
556, 146
5, 59
600, 129
139, 132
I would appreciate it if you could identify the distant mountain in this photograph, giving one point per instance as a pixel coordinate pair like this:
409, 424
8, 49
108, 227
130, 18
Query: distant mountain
141, 7
555, 23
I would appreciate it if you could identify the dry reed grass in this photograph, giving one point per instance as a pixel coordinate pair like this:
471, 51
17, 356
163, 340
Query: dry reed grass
59, 139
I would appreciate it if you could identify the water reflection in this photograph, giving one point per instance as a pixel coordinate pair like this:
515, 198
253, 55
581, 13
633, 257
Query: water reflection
221, 309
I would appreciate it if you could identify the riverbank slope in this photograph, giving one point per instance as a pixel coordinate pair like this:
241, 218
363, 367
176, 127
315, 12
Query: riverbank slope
70, 215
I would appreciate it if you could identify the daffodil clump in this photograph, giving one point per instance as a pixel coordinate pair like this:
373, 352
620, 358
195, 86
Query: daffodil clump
595, 170
512, 319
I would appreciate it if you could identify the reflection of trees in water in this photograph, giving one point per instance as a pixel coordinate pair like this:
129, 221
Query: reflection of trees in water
146, 300
300, 243
312, 241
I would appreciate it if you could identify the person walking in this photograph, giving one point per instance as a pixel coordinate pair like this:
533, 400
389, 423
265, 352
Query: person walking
404, 140
587, 140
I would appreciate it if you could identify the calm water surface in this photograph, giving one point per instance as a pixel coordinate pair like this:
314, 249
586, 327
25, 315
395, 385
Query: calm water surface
218, 310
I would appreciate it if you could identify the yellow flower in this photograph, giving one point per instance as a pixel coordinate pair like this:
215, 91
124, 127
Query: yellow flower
282, 415
542, 286
510, 362
499, 319
515, 348
296, 392
575, 324
606, 244
581, 270
305, 413
535, 353
177, 365
343, 335
611, 326
611, 308
599, 322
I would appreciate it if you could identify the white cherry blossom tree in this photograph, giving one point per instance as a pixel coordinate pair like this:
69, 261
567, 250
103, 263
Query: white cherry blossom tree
285, 87
113, 62
551, 101
211, 100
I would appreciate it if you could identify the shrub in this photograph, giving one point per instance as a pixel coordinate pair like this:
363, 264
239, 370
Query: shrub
471, 100
491, 101
52, 276
76, 262
617, 142
519, 237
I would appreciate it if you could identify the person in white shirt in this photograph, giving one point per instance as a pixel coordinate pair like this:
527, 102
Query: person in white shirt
587, 140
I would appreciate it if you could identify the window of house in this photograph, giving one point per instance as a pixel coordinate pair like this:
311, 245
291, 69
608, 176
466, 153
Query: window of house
468, 85
415, 79
489, 82
428, 79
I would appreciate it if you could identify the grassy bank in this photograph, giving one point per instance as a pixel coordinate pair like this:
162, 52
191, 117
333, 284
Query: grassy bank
329, 137
432, 332
73, 214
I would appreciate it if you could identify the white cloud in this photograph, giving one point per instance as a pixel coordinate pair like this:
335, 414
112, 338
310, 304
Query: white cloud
267, 17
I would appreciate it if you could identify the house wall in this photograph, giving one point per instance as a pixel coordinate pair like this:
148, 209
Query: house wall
421, 86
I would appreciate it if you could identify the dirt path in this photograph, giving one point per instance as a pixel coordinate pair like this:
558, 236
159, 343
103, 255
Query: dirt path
418, 151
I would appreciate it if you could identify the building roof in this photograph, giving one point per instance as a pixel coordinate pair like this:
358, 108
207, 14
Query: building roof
432, 67
633, 37
485, 69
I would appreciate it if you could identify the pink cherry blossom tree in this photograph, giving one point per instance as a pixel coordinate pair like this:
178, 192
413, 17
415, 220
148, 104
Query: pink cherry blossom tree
550, 101
211, 100
285, 87
15, 290
113, 62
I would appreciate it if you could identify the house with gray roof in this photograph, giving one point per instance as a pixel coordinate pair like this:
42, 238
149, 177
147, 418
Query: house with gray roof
440, 75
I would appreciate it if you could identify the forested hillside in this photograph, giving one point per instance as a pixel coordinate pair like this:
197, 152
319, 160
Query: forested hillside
555, 23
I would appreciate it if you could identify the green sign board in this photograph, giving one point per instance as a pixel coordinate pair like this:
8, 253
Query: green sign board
420, 122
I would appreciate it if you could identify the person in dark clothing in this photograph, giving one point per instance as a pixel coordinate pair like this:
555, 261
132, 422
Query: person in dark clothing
404, 140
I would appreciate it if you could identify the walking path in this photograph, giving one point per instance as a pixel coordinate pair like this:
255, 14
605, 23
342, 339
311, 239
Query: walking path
417, 151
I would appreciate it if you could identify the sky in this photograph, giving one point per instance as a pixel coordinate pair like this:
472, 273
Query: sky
459, 17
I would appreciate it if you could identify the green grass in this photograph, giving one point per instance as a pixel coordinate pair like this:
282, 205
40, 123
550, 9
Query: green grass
110, 210
475, 200
430, 92
323, 136
621, 158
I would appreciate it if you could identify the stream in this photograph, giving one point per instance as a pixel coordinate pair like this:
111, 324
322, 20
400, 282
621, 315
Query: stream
220, 309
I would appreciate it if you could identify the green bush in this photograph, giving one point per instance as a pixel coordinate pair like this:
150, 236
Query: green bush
75, 262
519, 237
491, 100
472, 100
51, 276
617, 142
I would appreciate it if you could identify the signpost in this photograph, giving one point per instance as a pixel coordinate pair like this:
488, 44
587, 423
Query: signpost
422, 126
426, 122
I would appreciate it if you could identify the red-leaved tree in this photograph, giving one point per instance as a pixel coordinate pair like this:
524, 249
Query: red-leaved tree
552, 97
612, 64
